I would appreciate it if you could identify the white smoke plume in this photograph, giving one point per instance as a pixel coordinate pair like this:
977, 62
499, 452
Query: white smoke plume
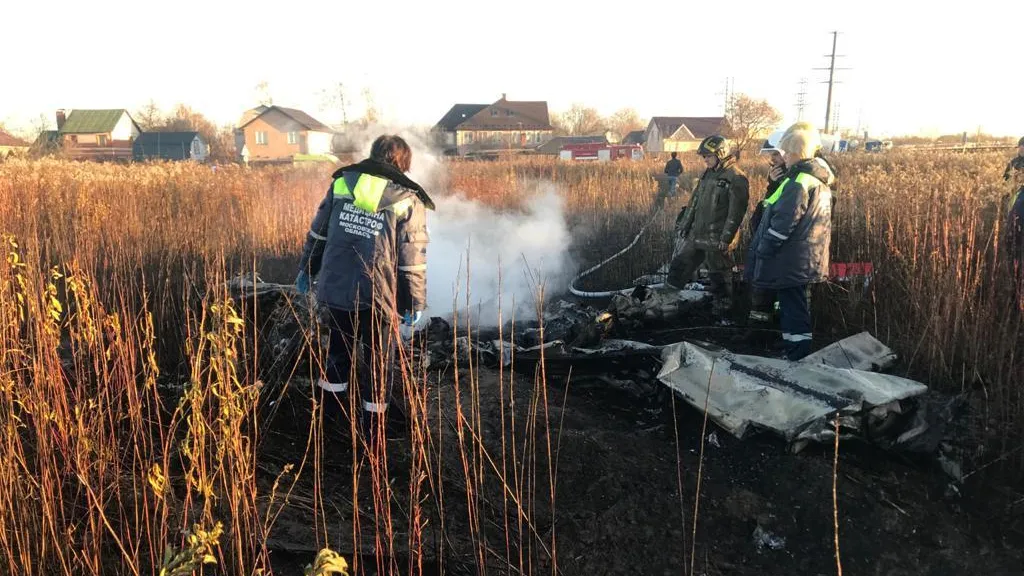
480, 257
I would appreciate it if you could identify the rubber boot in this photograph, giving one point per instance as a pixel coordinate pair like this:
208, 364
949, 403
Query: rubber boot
373, 430
721, 303
334, 410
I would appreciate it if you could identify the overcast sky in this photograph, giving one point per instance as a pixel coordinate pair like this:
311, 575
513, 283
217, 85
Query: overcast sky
916, 67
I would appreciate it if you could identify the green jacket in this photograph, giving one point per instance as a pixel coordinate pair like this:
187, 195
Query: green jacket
717, 206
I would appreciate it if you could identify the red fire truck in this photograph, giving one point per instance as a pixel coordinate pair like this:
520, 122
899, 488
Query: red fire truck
601, 152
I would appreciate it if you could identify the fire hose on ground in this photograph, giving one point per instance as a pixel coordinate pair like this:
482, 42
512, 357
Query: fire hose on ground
609, 293
838, 271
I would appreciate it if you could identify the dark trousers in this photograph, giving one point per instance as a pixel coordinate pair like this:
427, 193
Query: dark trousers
361, 350
795, 320
762, 307
682, 268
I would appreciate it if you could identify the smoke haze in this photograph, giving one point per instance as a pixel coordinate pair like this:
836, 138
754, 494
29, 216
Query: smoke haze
480, 257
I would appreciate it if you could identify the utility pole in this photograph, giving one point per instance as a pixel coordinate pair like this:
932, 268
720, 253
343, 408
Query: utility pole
801, 99
728, 94
831, 80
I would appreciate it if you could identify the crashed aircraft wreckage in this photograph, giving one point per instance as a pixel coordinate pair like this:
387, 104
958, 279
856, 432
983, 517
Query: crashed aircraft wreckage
742, 393
796, 400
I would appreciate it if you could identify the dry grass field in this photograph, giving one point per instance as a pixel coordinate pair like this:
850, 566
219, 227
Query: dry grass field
129, 442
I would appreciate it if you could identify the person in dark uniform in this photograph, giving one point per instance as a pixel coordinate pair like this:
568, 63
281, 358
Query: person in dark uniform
708, 226
367, 249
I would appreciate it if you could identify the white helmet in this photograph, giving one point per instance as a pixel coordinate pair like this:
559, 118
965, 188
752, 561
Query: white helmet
772, 143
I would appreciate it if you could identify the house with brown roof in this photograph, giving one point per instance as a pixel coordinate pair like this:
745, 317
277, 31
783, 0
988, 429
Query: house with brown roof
503, 125
279, 134
11, 146
681, 133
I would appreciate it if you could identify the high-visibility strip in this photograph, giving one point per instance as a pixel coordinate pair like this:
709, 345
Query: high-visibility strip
375, 408
401, 207
760, 316
413, 268
803, 178
368, 191
796, 337
340, 189
807, 179
777, 194
316, 236
777, 235
332, 386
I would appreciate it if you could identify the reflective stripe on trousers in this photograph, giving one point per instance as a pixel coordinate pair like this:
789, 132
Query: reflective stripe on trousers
795, 321
332, 386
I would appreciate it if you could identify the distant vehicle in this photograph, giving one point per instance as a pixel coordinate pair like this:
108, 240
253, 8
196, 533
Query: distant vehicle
601, 152
877, 145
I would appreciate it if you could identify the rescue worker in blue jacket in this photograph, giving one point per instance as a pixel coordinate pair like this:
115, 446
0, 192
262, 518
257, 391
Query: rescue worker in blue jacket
762, 301
367, 251
791, 244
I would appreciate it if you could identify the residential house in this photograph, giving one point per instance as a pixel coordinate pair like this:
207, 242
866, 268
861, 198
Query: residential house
680, 133
171, 146
279, 134
503, 125
11, 146
634, 137
94, 134
553, 146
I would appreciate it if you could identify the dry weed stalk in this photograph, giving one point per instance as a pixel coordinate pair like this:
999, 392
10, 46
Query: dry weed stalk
112, 297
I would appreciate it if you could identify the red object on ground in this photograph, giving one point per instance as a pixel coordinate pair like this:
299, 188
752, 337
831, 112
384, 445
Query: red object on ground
845, 270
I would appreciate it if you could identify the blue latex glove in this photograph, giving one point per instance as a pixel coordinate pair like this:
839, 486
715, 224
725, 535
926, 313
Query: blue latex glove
302, 282
411, 318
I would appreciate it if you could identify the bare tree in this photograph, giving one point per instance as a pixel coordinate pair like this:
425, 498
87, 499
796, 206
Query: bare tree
220, 140
750, 120
370, 115
263, 94
149, 117
580, 120
334, 98
624, 121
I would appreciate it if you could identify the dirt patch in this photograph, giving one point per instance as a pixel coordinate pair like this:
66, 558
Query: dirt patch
624, 464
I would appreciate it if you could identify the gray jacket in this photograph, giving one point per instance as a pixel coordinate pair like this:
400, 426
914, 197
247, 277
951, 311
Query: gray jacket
368, 241
791, 244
